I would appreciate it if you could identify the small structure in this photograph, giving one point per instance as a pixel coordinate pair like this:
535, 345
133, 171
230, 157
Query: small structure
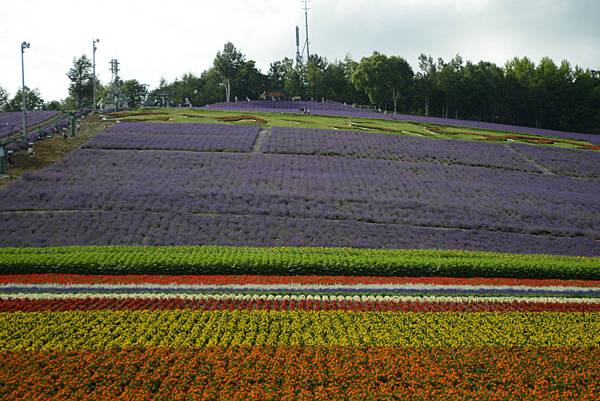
274, 95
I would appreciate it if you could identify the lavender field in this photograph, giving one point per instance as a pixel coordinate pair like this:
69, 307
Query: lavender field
393, 147
164, 136
287, 106
329, 108
11, 122
563, 161
145, 183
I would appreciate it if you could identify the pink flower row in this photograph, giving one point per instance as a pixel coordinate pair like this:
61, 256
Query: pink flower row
256, 279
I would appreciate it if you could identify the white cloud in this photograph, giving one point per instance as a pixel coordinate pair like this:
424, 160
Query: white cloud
157, 38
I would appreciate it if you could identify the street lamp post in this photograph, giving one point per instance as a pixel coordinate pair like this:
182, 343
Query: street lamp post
94, 74
24, 46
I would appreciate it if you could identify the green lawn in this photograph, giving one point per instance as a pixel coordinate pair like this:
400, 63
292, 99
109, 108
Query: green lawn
276, 119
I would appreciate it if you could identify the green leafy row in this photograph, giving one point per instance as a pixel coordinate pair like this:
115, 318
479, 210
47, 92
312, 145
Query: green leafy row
292, 261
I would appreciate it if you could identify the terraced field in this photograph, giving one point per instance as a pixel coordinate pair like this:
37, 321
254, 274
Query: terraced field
203, 261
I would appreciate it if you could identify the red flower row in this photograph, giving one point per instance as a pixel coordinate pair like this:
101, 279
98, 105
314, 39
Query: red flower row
256, 279
318, 373
99, 303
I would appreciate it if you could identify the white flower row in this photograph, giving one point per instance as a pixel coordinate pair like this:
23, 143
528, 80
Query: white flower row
307, 287
321, 298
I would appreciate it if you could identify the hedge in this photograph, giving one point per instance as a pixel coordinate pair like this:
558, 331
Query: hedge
292, 261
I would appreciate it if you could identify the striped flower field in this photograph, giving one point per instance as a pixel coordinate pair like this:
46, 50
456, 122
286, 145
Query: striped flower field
273, 337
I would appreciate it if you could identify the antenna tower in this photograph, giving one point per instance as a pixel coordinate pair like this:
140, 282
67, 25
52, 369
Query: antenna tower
307, 43
115, 87
114, 68
298, 55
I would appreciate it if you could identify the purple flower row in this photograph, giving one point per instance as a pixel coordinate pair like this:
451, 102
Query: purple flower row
11, 122
191, 137
187, 128
570, 162
286, 106
393, 147
541, 291
19, 143
352, 192
175, 228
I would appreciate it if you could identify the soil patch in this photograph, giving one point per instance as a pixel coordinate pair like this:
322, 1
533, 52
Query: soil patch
371, 127
142, 120
232, 119
122, 114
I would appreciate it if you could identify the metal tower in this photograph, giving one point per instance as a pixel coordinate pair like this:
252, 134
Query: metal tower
298, 55
307, 43
115, 85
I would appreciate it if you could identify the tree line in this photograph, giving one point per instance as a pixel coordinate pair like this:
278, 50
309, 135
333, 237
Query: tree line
521, 92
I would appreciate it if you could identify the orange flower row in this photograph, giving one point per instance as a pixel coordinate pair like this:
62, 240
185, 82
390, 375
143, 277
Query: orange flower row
289, 373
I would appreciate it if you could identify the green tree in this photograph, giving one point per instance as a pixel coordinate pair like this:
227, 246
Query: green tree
53, 105
449, 80
425, 79
250, 82
239, 78
315, 71
3, 99
543, 101
582, 103
483, 91
335, 84
212, 89
135, 92
228, 64
32, 97
186, 90
284, 75
162, 94
278, 70
547, 95
384, 79
519, 73
81, 88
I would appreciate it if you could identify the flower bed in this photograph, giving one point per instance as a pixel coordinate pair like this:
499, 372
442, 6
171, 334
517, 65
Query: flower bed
134, 337
300, 373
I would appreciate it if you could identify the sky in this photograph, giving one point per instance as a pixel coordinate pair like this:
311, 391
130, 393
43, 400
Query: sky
154, 39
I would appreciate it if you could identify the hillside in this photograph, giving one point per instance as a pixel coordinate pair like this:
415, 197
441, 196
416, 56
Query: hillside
289, 256
141, 183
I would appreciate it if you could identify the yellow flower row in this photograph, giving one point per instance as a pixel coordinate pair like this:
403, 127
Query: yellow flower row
187, 328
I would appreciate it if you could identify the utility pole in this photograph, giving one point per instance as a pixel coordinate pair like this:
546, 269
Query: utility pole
94, 73
114, 69
24, 46
306, 23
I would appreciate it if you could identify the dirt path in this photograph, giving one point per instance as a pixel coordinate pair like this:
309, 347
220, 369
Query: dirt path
262, 135
545, 170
